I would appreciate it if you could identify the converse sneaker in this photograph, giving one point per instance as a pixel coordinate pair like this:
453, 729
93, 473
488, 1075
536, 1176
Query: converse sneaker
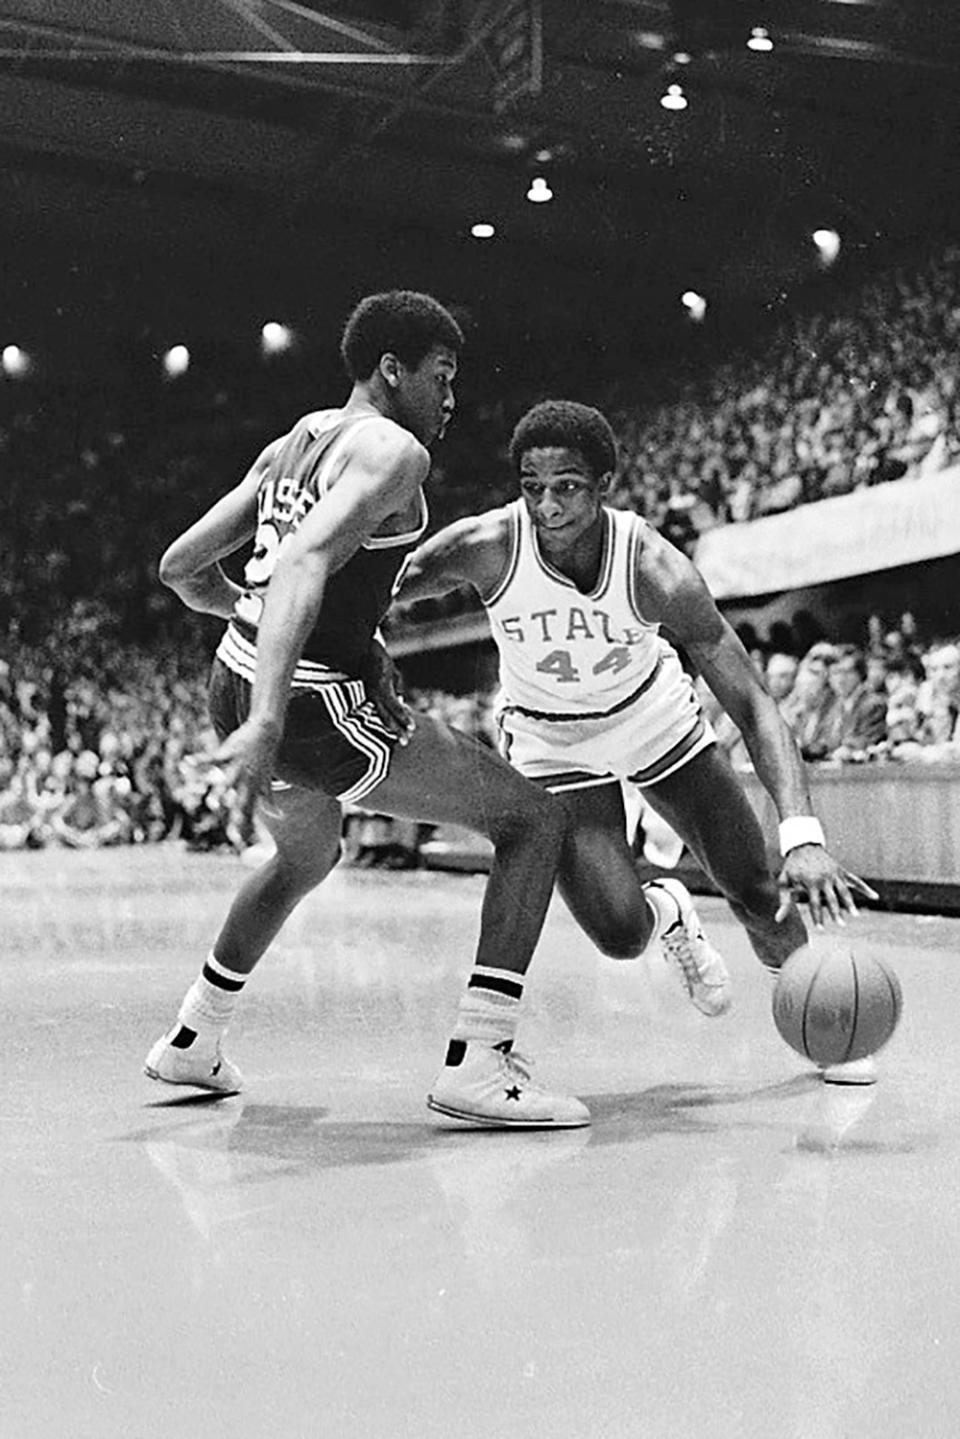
491, 1086
199, 1064
855, 1071
685, 945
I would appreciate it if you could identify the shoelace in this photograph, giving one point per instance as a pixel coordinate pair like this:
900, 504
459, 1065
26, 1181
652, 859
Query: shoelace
676, 941
515, 1065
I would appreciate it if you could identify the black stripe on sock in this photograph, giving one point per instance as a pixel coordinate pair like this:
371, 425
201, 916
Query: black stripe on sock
183, 1038
221, 982
493, 982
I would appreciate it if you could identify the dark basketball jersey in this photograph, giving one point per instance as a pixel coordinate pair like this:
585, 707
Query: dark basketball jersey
358, 595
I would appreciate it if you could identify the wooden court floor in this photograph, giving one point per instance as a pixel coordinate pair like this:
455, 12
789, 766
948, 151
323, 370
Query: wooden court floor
732, 1251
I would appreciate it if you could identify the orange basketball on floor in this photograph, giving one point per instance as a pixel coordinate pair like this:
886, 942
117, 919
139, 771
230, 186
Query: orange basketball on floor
832, 1005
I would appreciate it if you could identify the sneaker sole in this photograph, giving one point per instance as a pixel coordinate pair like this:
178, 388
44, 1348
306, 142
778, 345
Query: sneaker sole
717, 1012
485, 1121
848, 1083
188, 1083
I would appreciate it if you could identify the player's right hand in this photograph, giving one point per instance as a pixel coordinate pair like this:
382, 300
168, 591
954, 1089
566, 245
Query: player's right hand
248, 757
381, 680
811, 873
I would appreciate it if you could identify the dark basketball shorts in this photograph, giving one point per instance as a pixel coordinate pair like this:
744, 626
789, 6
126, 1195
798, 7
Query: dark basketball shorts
333, 738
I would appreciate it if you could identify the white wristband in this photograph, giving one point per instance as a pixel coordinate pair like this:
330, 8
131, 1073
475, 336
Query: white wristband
800, 829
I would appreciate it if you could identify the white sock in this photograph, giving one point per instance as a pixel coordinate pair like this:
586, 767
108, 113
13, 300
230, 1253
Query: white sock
490, 1009
209, 1003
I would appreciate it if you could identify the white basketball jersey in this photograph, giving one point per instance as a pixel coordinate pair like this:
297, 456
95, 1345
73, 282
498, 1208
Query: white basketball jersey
564, 653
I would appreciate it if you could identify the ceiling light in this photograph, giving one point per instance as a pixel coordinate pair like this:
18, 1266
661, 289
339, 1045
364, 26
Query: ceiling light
674, 99
759, 39
682, 57
176, 361
482, 230
275, 338
828, 244
694, 304
539, 191
16, 362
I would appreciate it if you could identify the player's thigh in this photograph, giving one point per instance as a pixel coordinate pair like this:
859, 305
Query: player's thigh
306, 826
707, 805
445, 777
598, 875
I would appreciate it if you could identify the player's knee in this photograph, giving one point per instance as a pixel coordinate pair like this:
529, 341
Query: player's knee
297, 871
621, 938
541, 820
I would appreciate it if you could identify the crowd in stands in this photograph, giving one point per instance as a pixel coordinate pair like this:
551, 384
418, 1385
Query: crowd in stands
103, 744
854, 395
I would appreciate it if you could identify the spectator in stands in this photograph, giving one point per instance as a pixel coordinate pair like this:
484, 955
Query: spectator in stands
856, 720
780, 673
902, 688
20, 824
91, 815
805, 708
938, 699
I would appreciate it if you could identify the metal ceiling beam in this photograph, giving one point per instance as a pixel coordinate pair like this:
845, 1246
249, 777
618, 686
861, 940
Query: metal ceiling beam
329, 22
82, 45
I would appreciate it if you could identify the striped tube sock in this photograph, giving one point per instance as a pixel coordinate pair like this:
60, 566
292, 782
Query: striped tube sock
209, 1002
490, 1008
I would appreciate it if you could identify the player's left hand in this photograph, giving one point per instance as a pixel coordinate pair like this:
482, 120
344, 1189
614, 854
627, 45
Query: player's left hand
381, 680
247, 758
810, 872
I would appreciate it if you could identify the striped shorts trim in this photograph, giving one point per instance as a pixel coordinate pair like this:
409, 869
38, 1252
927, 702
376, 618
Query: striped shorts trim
333, 738
240, 655
667, 765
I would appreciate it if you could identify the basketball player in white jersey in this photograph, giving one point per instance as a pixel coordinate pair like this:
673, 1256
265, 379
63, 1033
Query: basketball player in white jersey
593, 694
333, 508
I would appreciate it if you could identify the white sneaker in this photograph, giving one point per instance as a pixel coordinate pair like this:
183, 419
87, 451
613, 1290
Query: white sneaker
855, 1071
492, 1087
200, 1065
685, 945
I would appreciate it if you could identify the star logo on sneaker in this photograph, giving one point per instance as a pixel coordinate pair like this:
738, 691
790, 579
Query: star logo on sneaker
215, 1070
512, 1093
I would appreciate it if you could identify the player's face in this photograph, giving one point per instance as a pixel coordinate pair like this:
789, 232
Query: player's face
562, 495
424, 396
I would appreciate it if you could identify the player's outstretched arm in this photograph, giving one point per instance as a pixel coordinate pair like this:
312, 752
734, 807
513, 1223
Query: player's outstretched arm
191, 566
471, 551
809, 871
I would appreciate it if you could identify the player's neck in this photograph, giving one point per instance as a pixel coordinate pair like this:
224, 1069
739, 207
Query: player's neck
363, 400
580, 562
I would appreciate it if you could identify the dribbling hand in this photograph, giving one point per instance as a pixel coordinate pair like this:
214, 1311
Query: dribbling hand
810, 873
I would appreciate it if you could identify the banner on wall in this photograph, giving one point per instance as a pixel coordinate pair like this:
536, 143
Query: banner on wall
901, 522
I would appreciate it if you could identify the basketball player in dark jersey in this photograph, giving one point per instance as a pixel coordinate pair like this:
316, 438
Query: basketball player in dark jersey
333, 507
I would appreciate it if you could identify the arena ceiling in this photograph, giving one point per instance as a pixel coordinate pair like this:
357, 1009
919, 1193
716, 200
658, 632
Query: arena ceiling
258, 129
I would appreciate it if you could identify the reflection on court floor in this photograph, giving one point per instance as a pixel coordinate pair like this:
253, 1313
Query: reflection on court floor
732, 1250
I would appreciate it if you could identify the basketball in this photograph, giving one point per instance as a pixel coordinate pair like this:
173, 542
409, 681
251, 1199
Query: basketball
832, 1005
